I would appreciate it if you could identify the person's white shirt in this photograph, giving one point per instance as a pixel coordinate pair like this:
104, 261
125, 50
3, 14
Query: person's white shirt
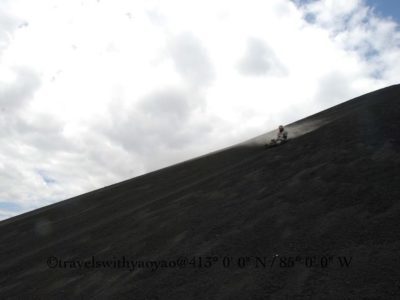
282, 134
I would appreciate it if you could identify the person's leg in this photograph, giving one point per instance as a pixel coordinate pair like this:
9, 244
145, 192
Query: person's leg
270, 143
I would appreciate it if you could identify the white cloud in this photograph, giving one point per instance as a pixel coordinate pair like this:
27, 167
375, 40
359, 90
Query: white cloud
261, 60
94, 92
15, 93
191, 60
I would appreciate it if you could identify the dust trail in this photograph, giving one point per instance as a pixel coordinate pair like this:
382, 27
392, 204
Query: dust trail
294, 130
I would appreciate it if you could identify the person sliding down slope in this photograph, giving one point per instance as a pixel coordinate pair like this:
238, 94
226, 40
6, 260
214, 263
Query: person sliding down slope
281, 137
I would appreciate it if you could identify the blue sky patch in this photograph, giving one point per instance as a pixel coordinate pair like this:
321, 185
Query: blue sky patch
386, 8
9, 206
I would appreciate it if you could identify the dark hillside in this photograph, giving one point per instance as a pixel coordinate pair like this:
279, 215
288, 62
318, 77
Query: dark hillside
333, 191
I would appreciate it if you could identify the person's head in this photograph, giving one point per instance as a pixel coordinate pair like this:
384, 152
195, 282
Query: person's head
280, 128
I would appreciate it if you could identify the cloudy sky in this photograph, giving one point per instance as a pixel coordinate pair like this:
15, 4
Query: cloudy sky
93, 92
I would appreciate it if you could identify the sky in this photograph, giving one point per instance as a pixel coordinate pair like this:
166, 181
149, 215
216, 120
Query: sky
93, 92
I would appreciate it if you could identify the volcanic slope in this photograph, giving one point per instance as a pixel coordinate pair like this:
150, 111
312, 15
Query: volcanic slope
331, 193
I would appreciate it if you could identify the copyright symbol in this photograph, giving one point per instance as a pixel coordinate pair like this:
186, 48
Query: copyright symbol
52, 262
182, 262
